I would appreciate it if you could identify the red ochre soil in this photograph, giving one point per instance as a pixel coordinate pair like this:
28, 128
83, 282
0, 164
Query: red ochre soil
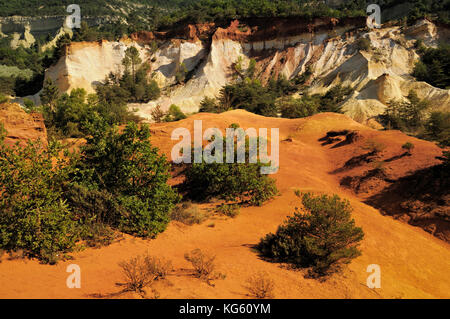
413, 262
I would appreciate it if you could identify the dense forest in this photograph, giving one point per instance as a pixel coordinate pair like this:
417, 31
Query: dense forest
164, 13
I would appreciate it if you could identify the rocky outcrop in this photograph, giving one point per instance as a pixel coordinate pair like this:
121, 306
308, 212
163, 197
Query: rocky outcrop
21, 126
282, 47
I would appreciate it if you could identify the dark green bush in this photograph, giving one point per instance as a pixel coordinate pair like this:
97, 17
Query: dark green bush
33, 213
323, 236
174, 114
438, 128
434, 66
249, 95
229, 181
230, 210
130, 168
296, 108
363, 44
407, 116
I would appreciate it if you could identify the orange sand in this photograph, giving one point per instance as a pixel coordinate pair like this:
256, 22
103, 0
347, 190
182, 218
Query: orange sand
413, 263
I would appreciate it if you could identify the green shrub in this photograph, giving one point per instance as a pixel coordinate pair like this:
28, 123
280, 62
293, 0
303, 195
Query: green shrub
434, 66
3, 99
437, 128
117, 182
158, 114
330, 101
249, 95
210, 105
180, 74
363, 44
322, 237
229, 181
408, 147
296, 108
174, 114
229, 210
34, 216
130, 168
407, 116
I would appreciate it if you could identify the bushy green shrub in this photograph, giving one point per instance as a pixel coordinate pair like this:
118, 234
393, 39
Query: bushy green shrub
408, 147
229, 181
322, 236
296, 108
130, 168
3, 99
52, 199
434, 66
407, 116
249, 95
210, 105
33, 213
437, 128
363, 44
230, 210
174, 114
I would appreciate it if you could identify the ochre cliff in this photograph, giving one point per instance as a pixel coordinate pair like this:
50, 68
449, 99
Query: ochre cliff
282, 47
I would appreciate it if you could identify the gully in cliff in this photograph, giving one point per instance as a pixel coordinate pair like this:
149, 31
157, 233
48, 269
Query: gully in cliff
213, 152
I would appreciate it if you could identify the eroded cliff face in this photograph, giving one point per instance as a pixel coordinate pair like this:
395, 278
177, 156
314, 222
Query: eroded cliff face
21, 126
281, 47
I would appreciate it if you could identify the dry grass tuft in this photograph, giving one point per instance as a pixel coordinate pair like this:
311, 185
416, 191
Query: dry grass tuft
260, 285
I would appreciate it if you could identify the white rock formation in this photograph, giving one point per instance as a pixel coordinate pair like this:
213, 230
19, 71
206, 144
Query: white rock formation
378, 76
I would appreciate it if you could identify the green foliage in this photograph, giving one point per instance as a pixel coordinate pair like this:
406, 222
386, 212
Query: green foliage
434, 66
3, 99
405, 115
134, 86
49, 94
127, 166
67, 115
309, 105
229, 181
408, 147
302, 107
158, 114
323, 236
334, 96
210, 105
29, 105
438, 128
230, 210
180, 74
34, 215
249, 95
174, 114
49, 202
363, 44
22, 69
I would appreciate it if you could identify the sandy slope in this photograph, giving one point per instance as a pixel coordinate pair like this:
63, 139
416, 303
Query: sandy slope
413, 263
